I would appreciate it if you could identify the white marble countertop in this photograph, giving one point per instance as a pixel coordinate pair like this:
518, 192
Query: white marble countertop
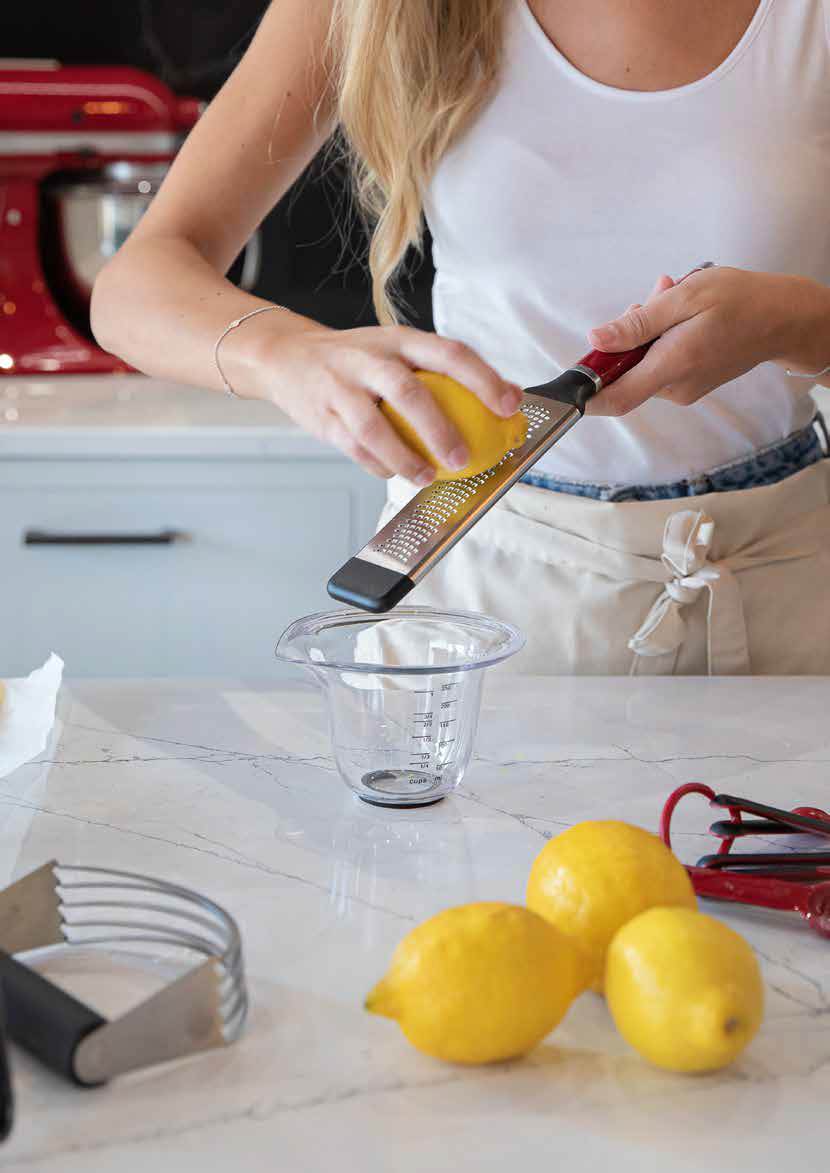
228, 788
108, 416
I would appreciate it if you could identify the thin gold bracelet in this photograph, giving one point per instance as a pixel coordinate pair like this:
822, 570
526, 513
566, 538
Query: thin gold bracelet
263, 309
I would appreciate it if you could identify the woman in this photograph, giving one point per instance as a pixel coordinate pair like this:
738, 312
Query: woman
564, 155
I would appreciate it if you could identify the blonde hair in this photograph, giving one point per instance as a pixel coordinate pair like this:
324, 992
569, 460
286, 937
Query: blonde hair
409, 76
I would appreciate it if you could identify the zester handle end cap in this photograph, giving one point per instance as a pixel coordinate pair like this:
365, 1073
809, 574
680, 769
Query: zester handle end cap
371, 588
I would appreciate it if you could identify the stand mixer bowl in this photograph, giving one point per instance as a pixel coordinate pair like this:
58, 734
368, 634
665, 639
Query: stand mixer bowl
403, 692
96, 212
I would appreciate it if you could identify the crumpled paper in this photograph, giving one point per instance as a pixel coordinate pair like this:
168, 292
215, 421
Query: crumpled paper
27, 714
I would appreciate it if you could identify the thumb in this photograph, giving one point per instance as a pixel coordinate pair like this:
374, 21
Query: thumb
662, 283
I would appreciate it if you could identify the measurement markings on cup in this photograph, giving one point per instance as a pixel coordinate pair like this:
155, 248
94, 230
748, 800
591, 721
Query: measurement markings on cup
426, 727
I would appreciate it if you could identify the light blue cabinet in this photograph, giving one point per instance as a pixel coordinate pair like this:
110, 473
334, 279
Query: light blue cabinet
153, 567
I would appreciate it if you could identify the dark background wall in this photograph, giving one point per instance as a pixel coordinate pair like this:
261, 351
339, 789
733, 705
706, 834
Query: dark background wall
314, 260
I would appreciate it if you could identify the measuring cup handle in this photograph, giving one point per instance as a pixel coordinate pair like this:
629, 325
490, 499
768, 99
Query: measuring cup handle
672, 801
761, 891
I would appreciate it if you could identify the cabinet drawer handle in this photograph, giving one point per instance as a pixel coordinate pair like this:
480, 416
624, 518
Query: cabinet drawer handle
41, 537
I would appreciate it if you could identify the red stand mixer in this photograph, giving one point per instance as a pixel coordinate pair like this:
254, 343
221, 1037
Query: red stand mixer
82, 151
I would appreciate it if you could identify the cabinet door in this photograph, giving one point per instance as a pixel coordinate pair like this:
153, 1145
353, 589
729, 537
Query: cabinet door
180, 578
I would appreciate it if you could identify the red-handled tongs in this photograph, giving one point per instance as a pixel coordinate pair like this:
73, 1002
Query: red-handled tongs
765, 879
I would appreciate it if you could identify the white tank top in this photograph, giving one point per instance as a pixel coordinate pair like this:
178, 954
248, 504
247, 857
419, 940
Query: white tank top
538, 235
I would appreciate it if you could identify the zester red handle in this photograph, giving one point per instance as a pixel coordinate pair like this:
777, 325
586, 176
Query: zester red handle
609, 367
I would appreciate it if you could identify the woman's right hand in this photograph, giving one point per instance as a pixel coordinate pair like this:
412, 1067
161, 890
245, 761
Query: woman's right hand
331, 383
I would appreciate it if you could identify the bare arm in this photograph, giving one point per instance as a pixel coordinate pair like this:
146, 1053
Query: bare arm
162, 301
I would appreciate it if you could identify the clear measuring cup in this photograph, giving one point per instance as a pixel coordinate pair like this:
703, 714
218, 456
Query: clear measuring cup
403, 692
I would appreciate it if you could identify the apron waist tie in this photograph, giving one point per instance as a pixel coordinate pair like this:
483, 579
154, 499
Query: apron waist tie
687, 539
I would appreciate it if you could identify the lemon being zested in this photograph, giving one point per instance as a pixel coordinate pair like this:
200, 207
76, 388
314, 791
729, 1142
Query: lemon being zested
480, 983
597, 875
487, 436
684, 989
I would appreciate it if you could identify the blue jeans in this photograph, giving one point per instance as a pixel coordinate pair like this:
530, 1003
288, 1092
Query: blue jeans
765, 467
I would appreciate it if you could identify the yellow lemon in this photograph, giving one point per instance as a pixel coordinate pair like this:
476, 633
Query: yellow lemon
479, 983
684, 989
487, 436
594, 877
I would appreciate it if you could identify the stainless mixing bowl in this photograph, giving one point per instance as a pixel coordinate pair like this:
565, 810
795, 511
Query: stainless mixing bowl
97, 213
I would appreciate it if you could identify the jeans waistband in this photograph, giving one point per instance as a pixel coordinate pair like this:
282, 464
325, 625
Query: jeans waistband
765, 467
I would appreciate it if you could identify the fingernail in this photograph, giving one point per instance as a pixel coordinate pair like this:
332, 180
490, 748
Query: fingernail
510, 402
425, 477
458, 457
605, 335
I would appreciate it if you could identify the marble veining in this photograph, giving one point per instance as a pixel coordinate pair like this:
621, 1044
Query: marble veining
228, 787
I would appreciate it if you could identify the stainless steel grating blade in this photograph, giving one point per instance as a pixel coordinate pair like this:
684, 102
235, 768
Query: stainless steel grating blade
400, 543
429, 525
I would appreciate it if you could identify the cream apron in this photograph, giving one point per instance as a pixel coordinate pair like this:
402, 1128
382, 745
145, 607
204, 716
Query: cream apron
724, 584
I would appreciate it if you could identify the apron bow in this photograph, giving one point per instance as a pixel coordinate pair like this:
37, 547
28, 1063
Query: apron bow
687, 539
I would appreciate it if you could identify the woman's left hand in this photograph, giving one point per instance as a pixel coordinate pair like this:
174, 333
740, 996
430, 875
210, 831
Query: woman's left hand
714, 326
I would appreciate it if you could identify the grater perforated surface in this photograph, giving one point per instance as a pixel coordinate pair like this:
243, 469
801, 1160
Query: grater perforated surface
437, 506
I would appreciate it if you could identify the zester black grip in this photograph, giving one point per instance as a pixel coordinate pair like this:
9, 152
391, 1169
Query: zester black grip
572, 387
368, 586
43, 1019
